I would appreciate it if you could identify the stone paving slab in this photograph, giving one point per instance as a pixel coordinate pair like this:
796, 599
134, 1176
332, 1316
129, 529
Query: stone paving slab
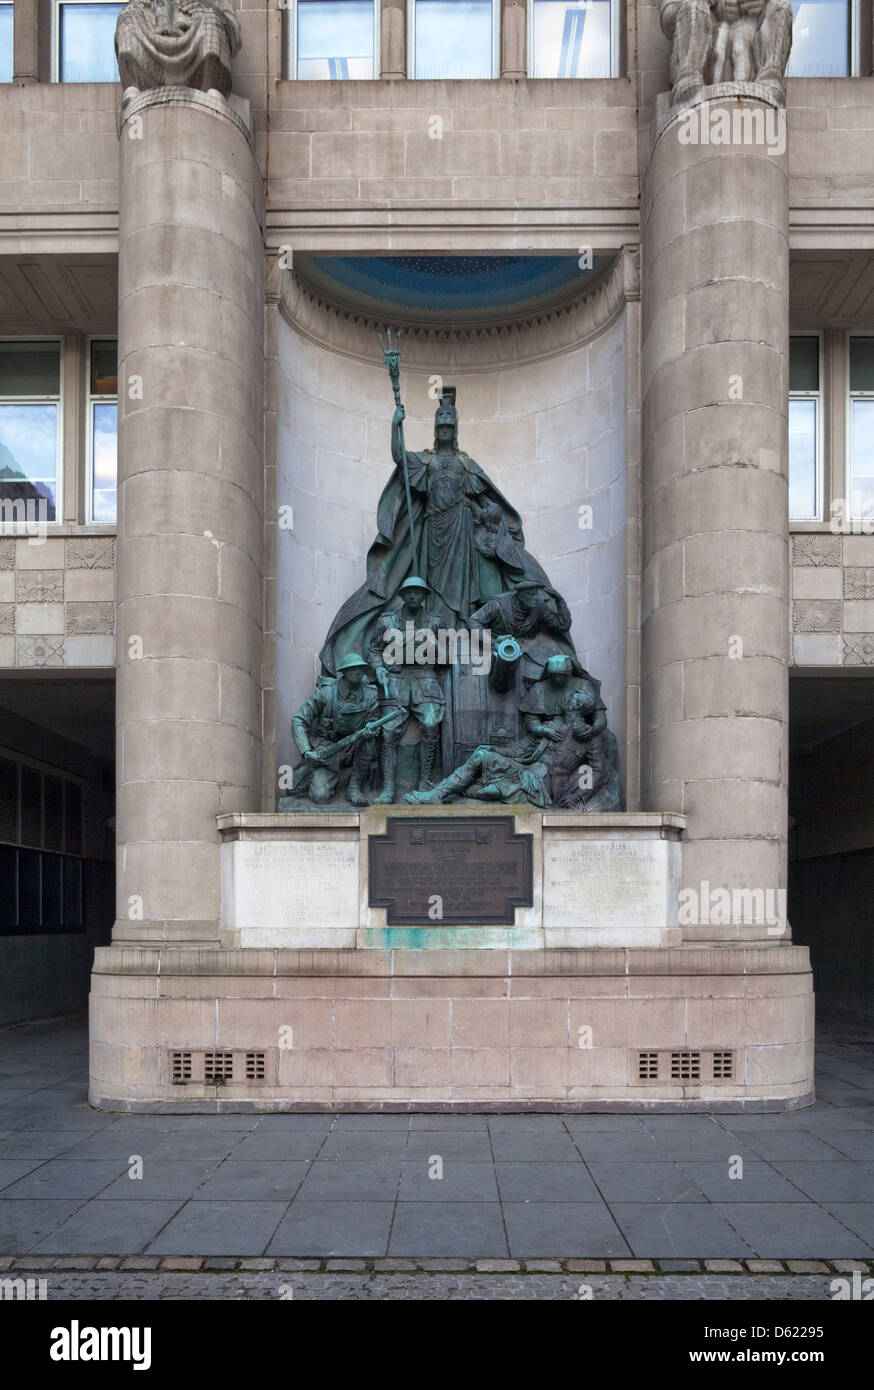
447, 1188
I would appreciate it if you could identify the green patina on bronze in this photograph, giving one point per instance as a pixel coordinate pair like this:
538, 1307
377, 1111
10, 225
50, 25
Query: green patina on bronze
450, 556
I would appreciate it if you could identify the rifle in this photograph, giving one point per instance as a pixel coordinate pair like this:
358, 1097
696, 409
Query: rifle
330, 750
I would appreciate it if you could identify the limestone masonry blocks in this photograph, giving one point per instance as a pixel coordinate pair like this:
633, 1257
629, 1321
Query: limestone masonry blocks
715, 523
190, 505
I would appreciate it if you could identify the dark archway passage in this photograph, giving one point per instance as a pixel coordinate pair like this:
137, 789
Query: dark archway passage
831, 857
57, 797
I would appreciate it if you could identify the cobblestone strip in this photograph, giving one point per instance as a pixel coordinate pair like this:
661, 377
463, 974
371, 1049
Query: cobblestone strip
214, 1264
416, 1286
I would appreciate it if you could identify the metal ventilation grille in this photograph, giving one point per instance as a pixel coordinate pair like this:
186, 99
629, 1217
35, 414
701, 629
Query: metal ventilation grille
683, 1066
723, 1066
181, 1066
686, 1066
218, 1066
256, 1066
648, 1066
229, 1066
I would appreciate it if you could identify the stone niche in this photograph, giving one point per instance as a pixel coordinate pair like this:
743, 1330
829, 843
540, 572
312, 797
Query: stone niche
550, 432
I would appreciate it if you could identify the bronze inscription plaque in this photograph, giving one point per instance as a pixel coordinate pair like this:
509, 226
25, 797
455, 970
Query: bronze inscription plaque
450, 871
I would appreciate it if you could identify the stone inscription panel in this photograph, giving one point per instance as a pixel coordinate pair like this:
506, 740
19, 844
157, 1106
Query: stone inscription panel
453, 870
296, 883
602, 883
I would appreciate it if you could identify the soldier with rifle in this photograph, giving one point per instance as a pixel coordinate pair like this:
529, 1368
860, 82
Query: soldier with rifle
339, 724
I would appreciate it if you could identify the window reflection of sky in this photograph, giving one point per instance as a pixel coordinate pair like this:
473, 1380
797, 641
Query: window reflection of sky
570, 39
453, 38
820, 33
6, 54
334, 39
104, 460
802, 460
862, 498
28, 444
87, 43
105, 440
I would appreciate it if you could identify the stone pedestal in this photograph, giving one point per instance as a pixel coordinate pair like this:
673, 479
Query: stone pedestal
677, 1028
190, 524
598, 880
715, 514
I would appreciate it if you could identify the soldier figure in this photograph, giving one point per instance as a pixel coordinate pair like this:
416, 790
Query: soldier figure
411, 688
339, 706
535, 614
547, 770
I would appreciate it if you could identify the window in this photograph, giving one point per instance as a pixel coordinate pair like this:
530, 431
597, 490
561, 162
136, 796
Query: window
453, 38
861, 427
573, 38
30, 408
102, 430
41, 868
334, 39
825, 38
7, 57
805, 429
84, 38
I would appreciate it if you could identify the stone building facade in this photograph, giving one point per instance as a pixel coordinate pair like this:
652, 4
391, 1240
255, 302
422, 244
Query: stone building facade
660, 351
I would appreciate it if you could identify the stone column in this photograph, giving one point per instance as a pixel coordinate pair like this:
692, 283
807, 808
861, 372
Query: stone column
190, 529
715, 510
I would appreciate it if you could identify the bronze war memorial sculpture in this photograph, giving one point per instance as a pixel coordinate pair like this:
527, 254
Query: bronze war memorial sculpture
450, 675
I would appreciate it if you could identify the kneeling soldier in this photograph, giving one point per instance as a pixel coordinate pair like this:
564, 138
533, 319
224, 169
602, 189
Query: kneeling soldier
339, 724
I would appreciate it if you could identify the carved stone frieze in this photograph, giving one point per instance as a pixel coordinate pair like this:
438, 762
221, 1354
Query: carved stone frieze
86, 619
859, 583
40, 651
816, 550
91, 553
816, 615
39, 586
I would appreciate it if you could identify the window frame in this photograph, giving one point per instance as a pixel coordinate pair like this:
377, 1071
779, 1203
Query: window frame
819, 397
855, 38
44, 400
850, 396
615, 38
9, 4
90, 402
411, 48
70, 923
291, 47
854, 45
13, 755
56, 38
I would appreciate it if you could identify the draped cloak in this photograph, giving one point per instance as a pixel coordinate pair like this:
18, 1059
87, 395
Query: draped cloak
463, 562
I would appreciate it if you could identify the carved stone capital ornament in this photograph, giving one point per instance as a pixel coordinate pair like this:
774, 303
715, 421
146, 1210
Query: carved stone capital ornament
717, 41
177, 43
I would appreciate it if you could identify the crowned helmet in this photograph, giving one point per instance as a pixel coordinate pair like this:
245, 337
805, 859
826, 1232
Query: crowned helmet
446, 414
559, 665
